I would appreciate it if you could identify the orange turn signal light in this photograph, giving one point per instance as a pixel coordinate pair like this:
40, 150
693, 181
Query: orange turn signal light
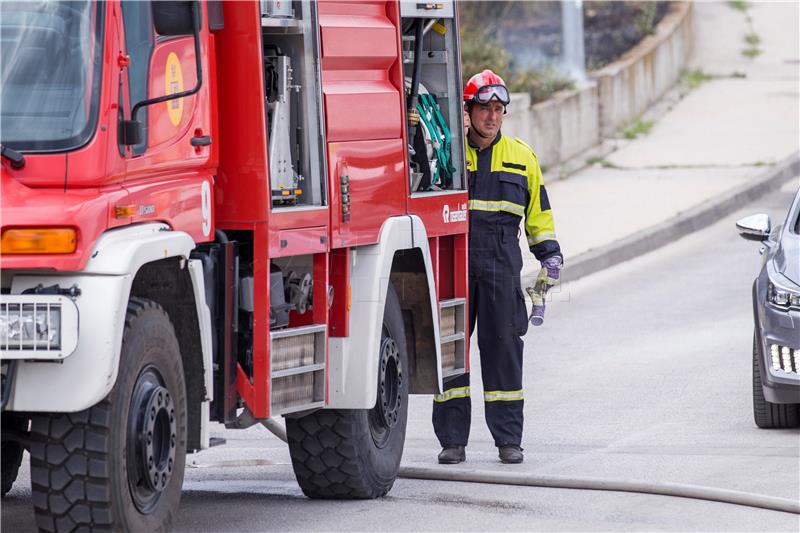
38, 241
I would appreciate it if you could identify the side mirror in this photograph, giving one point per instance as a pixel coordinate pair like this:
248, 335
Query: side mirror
754, 227
175, 18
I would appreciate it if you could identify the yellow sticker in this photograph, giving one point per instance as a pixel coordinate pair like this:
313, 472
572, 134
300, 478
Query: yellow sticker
439, 28
173, 83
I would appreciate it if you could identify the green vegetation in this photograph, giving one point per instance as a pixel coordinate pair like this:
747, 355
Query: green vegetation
479, 51
540, 84
750, 53
596, 160
646, 20
752, 39
739, 5
636, 128
692, 79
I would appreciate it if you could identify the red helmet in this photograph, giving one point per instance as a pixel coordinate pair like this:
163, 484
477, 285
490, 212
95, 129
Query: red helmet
485, 86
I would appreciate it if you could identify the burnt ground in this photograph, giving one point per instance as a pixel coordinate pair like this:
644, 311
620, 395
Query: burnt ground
531, 31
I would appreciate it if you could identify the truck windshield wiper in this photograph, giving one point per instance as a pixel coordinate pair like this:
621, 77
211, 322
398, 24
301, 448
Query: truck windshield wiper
16, 158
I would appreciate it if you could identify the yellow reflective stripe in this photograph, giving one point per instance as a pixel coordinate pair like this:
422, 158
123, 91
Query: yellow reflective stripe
502, 395
496, 205
451, 394
536, 239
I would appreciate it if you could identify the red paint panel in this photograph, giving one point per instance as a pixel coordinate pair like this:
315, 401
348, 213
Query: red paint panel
442, 214
362, 97
340, 276
287, 218
304, 241
377, 174
369, 40
86, 210
242, 187
360, 110
178, 202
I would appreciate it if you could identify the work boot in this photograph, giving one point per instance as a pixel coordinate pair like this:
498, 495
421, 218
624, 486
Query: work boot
452, 455
510, 454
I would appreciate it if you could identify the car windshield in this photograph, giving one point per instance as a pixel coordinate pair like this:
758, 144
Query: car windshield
50, 70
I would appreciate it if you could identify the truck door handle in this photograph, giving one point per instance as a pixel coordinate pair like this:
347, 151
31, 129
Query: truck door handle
204, 140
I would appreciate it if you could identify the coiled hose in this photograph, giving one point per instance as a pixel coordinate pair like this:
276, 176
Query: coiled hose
679, 490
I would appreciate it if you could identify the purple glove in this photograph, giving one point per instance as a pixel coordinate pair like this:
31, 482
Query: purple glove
548, 276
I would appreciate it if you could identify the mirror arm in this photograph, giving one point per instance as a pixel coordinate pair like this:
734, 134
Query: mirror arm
133, 124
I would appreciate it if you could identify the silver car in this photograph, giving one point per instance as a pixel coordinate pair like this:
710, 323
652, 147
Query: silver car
776, 306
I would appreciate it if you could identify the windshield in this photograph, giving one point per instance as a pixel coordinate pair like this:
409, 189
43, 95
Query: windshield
50, 69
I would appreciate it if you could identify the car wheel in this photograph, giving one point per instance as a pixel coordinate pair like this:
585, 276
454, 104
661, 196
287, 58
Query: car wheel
355, 453
118, 466
770, 415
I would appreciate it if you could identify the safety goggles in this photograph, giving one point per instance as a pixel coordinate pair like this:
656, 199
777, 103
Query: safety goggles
485, 94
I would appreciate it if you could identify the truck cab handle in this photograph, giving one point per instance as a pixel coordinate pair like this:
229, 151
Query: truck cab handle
203, 140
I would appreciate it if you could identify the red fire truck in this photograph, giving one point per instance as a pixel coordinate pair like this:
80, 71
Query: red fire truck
224, 212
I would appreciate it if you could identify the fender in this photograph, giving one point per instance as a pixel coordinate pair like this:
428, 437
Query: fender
87, 376
353, 377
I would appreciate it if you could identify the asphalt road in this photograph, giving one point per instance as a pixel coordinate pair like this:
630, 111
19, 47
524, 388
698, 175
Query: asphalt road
640, 372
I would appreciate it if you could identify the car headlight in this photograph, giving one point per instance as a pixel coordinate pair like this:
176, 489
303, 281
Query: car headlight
30, 326
782, 297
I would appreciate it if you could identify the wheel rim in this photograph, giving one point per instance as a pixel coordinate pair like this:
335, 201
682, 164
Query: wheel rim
152, 434
386, 413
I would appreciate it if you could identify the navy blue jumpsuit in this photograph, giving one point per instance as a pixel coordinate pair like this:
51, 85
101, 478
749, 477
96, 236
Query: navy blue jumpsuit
505, 187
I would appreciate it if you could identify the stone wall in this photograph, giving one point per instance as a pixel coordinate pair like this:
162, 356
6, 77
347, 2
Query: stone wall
573, 121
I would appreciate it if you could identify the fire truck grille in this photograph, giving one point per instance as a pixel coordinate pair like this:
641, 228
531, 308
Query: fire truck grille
291, 352
293, 391
297, 357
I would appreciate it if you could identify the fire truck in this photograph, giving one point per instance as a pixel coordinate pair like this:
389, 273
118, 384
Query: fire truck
224, 212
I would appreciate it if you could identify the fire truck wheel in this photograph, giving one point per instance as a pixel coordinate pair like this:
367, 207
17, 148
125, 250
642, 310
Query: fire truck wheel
11, 453
119, 464
355, 453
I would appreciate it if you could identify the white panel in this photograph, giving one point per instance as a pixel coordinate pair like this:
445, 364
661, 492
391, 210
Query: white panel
204, 320
87, 376
352, 381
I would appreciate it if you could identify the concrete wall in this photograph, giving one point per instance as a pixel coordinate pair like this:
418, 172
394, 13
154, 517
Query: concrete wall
638, 79
572, 121
558, 128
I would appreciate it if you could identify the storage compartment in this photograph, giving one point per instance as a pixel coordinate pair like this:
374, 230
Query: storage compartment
431, 68
293, 100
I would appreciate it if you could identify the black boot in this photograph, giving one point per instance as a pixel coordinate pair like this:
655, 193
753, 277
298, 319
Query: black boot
511, 454
452, 455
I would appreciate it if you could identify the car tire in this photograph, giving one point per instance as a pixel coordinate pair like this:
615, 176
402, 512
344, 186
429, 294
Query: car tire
770, 415
355, 453
11, 453
90, 469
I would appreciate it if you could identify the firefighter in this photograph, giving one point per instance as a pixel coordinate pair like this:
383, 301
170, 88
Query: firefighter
505, 188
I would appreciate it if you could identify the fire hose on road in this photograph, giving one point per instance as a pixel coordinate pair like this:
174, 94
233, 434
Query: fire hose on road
679, 490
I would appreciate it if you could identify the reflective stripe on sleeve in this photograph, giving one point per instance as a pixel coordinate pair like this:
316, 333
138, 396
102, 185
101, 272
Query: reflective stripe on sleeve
503, 396
497, 205
451, 394
536, 239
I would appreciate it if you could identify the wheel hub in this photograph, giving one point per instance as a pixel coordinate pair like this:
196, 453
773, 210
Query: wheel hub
152, 440
391, 379
158, 438
386, 413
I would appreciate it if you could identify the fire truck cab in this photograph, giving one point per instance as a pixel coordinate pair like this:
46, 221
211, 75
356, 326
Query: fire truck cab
224, 212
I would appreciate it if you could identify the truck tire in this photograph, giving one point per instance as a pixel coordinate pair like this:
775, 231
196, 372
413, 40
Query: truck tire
11, 454
119, 464
355, 453
770, 415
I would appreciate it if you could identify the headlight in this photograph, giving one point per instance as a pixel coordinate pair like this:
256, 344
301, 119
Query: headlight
30, 326
782, 297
